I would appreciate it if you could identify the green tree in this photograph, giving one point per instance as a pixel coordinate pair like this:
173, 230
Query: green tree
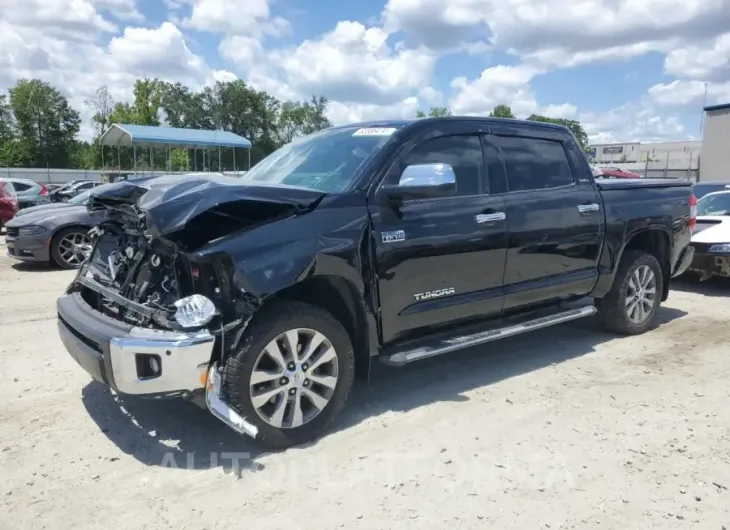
38, 127
45, 122
433, 112
501, 111
574, 126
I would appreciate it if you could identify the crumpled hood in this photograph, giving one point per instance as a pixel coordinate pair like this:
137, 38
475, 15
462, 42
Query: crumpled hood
712, 229
171, 202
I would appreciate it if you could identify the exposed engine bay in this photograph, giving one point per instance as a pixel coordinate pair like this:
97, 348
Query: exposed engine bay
146, 267
132, 277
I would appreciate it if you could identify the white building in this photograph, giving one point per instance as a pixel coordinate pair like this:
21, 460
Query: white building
661, 155
716, 142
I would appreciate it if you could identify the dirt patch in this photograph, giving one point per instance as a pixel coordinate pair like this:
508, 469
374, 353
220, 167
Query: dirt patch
566, 428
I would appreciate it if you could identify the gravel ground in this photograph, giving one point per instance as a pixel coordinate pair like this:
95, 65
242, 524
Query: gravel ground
565, 428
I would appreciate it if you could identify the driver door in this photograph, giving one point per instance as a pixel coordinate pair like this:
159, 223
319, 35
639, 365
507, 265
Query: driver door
440, 261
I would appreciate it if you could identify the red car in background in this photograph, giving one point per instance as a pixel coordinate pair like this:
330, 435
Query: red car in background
8, 201
615, 173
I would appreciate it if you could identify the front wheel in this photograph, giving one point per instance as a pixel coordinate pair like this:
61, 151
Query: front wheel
291, 374
631, 306
70, 247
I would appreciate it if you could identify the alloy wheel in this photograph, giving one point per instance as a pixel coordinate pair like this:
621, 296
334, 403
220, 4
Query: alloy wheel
294, 378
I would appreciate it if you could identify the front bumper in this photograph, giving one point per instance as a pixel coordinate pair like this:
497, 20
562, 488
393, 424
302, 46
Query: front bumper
28, 248
708, 265
119, 355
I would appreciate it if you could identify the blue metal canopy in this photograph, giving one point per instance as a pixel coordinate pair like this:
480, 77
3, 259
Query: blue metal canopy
149, 136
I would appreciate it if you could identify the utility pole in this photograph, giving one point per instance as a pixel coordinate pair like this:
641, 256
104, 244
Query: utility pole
702, 119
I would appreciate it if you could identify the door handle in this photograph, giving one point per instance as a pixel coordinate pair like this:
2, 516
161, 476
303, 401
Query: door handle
588, 208
483, 218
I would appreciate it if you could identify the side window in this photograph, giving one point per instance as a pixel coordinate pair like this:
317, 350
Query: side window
534, 164
463, 153
20, 187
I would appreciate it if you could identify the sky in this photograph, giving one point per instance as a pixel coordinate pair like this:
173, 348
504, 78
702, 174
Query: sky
628, 70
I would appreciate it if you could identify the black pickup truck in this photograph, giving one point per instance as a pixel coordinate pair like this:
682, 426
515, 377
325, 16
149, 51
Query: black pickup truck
263, 296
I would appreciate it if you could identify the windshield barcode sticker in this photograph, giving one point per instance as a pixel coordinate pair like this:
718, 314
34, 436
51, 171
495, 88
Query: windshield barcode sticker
375, 131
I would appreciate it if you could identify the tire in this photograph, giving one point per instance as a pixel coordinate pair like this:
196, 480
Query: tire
614, 308
57, 253
270, 323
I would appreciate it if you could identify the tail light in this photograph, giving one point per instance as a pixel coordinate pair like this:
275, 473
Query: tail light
44, 190
692, 211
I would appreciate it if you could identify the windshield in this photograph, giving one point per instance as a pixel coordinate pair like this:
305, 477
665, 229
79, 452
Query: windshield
700, 190
81, 198
327, 160
714, 204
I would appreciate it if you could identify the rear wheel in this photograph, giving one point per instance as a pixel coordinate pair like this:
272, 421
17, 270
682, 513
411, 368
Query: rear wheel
631, 306
70, 247
291, 374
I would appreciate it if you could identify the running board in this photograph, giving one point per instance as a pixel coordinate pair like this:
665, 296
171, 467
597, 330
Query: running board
467, 341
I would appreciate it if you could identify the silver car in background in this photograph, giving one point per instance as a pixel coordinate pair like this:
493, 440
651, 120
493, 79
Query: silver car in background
30, 193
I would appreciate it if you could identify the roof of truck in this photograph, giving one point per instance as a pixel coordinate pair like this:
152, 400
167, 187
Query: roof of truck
404, 122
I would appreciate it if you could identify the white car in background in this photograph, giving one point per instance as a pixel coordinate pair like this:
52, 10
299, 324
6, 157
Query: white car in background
711, 236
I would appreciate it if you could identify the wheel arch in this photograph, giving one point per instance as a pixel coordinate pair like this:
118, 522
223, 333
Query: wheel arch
339, 297
656, 242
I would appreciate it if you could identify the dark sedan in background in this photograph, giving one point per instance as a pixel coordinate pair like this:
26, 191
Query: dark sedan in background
73, 188
55, 233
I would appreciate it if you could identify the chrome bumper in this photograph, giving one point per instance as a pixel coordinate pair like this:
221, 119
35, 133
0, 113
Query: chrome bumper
119, 355
183, 360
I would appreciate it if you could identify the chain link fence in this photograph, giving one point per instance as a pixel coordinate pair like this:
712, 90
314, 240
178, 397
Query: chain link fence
61, 176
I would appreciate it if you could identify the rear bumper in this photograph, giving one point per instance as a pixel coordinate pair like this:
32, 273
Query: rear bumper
684, 261
120, 355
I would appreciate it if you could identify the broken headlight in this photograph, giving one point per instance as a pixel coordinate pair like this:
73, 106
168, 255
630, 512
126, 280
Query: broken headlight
194, 311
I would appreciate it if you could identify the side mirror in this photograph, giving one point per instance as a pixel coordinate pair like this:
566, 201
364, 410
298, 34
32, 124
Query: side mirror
422, 181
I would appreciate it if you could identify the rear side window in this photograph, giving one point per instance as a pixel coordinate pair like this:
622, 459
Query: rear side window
534, 164
21, 187
7, 187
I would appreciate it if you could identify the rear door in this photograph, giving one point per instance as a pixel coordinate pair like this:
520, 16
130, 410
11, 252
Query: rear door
554, 220
440, 261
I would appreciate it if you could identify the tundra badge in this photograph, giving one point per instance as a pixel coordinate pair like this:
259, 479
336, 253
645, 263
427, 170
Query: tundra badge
394, 236
438, 293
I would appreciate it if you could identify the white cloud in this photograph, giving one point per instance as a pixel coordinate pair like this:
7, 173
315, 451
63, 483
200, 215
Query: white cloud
64, 18
122, 9
631, 122
383, 70
160, 52
683, 93
353, 63
552, 31
710, 61
508, 85
233, 16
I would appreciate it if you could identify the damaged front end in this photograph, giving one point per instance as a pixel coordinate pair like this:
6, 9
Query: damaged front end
144, 299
